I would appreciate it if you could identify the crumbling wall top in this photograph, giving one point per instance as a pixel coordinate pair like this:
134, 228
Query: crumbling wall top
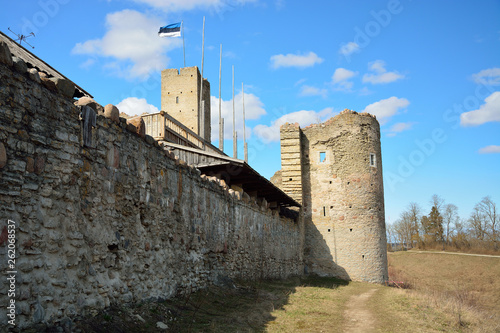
289, 127
346, 113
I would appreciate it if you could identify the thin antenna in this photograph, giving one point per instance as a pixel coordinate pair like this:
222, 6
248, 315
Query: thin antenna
22, 38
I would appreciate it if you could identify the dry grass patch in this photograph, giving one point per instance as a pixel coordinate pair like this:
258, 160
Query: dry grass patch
399, 310
467, 288
316, 307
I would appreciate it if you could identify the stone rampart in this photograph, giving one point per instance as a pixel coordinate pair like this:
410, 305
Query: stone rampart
119, 219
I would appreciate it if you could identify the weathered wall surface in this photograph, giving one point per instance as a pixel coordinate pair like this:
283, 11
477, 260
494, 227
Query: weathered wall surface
120, 222
343, 196
345, 230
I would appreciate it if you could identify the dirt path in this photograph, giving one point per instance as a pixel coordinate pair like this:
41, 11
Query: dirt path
358, 316
457, 253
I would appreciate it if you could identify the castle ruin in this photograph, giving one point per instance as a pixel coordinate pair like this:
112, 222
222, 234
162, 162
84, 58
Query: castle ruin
109, 210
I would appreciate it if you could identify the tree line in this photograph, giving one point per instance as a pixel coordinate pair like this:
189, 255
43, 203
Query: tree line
443, 228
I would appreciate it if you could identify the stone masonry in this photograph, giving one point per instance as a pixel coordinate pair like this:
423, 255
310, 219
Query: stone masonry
335, 170
180, 97
118, 219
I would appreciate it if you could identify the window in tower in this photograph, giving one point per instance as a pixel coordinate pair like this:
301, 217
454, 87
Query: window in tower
177, 99
373, 160
322, 157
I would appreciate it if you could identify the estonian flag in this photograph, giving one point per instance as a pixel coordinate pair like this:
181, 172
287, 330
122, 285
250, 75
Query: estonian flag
171, 30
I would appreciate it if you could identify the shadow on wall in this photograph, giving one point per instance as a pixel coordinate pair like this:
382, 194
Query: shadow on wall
318, 256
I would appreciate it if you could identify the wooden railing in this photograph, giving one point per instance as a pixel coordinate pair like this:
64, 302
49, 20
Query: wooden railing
162, 126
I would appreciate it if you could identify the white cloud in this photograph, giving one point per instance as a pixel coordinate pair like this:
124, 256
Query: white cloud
304, 118
306, 90
88, 63
489, 76
340, 78
489, 111
386, 108
254, 109
380, 75
299, 82
490, 150
342, 74
349, 48
295, 60
398, 128
184, 5
132, 44
134, 106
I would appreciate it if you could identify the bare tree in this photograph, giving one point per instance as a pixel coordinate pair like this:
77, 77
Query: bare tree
414, 213
438, 202
477, 224
403, 230
450, 218
461, 235
488, 210
390, 234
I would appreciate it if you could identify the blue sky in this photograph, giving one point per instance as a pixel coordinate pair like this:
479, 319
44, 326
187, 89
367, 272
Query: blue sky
429, 71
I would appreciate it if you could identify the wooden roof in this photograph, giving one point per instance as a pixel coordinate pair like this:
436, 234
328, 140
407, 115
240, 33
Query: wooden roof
34, 62
233, 171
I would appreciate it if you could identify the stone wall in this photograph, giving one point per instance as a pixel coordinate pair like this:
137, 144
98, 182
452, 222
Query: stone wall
123, 221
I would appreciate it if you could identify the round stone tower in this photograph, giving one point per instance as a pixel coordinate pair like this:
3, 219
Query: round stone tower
342, 196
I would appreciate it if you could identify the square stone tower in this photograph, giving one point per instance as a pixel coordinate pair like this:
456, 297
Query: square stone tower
180, 98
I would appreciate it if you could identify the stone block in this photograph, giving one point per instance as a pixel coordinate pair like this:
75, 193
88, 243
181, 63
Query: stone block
49, 84
139, 125
33, 74
150, 140
39, 164
237, 188
19, 65
64, 86
112, 112
5, 56
3, 156
30, 164
85, 100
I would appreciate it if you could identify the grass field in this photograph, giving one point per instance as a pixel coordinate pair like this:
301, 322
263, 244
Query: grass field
449, 293
467, 287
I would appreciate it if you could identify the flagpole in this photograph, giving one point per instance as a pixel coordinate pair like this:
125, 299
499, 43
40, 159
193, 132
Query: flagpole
183, 43
200, 124
245, 147
235, 142
221, 129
